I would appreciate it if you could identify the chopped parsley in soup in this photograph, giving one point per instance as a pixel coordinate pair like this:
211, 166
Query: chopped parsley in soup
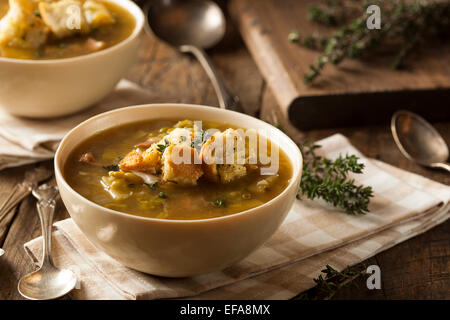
55, 29
177, 170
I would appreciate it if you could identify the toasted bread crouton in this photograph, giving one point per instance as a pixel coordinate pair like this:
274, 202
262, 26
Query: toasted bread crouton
223, 157
231, 172
20, 28
144, 161
97, 14
180, 136
209, 164
179, 165
64, 18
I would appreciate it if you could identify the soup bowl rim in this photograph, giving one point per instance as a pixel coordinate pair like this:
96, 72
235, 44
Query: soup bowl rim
128, 5
295, 176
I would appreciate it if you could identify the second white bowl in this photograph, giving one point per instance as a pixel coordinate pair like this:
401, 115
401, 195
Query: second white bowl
58, 87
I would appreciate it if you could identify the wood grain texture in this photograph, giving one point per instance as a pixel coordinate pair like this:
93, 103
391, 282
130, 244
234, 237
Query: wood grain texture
354, 92
418, 272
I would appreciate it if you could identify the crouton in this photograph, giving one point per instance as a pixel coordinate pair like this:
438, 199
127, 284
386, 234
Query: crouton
97, 14
145, 161
209, 164
223, 157
231, 172
20, 28
179, 168
180, 136
64, 18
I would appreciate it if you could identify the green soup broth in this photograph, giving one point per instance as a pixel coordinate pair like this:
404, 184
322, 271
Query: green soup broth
164, 200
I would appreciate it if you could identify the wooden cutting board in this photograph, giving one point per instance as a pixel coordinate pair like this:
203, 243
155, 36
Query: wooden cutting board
354, 92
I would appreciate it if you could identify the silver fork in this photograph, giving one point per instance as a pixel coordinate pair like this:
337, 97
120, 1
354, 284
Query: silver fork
23, 189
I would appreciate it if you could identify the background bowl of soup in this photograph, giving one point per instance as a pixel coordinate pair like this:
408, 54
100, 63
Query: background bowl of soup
69, 79
176, 247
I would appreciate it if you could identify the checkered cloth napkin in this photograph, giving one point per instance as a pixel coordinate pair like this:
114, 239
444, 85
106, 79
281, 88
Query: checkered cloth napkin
312, 236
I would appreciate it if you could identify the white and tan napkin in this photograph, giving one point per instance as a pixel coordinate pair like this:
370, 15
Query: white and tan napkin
24, 141
312, 236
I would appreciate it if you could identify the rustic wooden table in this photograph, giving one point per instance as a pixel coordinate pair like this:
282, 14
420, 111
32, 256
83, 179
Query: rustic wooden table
416, 269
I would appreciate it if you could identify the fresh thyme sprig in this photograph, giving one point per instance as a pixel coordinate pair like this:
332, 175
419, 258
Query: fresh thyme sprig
328, 284
333, 12
329, 180
404, 25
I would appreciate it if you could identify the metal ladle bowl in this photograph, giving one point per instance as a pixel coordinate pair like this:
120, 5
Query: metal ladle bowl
193, 22
192, 26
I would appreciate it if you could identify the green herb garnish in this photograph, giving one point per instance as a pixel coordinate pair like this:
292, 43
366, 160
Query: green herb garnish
199, 138
112, 167
162, 147
39, 54
162, 195
219, 203
131, 185
327, 179
152, 186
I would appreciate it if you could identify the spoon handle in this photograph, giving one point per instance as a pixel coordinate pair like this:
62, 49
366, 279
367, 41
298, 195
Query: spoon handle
46, 209
226, 99
442, 165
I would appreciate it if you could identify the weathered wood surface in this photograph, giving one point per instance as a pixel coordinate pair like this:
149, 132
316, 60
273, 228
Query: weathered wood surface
353, 92
418, 268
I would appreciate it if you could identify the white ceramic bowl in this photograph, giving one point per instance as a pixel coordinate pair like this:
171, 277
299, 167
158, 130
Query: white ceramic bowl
176, 248
57, 87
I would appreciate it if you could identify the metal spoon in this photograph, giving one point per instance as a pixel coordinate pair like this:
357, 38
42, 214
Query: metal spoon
48, 282
419, 141
191, 26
